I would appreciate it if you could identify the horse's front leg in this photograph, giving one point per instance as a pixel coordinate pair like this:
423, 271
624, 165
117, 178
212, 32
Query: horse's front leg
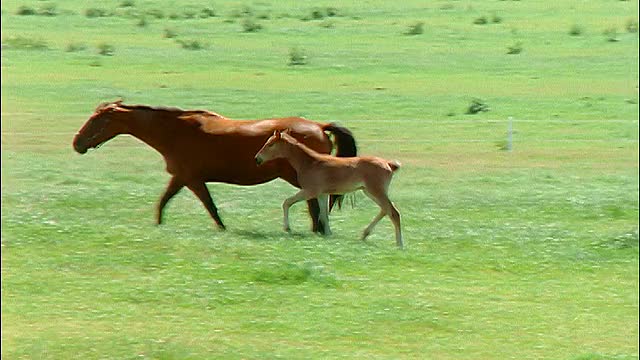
174, 186
299, 196
201, 191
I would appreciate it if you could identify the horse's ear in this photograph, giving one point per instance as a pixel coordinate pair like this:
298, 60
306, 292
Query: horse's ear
276, 134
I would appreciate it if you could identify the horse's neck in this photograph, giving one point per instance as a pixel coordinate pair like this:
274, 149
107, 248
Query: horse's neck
298, 155
146, 126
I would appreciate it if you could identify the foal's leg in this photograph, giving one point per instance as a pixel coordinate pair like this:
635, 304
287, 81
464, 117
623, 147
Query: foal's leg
379, 195
299, 196
174, 186
323, 222
201, 191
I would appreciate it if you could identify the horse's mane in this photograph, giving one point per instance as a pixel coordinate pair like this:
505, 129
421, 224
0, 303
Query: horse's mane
171, 109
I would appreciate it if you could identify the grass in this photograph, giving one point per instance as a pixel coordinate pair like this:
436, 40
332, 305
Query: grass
531, 253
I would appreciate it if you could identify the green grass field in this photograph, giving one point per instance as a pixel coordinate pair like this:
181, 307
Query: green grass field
528, 254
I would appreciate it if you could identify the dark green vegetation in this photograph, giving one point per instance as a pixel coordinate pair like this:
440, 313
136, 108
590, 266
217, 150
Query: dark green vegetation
525, 254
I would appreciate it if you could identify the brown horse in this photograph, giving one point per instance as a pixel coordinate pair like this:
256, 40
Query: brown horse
320, 175
202, 146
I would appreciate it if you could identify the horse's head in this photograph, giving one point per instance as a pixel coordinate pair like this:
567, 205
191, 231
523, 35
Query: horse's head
271, 149
102, 126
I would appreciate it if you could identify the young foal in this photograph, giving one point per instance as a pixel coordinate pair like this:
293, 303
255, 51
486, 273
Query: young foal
320, 175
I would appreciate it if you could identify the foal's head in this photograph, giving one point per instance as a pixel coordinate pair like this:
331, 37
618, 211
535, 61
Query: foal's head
272, 149
101, 126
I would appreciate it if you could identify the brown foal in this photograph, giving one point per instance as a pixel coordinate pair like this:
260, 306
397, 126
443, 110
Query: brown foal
320, 175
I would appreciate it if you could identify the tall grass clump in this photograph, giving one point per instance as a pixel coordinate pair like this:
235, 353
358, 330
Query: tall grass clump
24, 43
611, 34
249, 25
25, 11
477, 106
416, 28
515, 49
190, 44
632, 26
105, 49
75, 47
297, 56
96, 12
576, 30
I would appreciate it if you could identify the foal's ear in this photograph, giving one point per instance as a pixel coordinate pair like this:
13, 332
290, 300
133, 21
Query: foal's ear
276, 133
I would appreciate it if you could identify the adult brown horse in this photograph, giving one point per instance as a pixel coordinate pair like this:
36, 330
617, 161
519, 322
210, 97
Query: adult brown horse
201, 146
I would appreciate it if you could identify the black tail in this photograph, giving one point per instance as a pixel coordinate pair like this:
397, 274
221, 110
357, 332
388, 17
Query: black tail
345, 147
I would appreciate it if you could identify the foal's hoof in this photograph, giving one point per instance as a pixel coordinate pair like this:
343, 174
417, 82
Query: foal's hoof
287, 229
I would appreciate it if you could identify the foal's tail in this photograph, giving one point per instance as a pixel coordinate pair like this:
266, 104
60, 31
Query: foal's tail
345, 147
394, 165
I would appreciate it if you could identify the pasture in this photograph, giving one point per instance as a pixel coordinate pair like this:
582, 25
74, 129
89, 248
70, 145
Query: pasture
525, 254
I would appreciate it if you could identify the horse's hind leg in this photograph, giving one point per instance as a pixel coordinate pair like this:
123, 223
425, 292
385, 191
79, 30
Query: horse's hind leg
314, 212
323, 222
201, 191
174, 186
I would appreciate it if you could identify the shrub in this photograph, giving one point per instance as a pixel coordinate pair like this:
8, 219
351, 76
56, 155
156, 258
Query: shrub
477, 106
95, 12
416, 28
74, 47
482, 20
142, 22
106, 49
127, 3
611, 34
331, 12
576, 30
207, 13
515, 48
156, 13
25, 10
317, 14
190, 44
48, 9
632, 26
249, 25
297, 57
169, 33
24, 43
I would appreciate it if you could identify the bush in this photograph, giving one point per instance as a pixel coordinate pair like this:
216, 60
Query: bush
515, 49
632, 26
25, 10
482, 20
576, 30
127, 3
477, 106
297, 57
48, 10
74, 47
249, 25
169, 33
611, 34
190, 44
207, 13
96, 12
415, 28
24, 43
106, 49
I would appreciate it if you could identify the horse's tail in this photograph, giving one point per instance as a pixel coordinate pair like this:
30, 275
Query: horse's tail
345, 147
